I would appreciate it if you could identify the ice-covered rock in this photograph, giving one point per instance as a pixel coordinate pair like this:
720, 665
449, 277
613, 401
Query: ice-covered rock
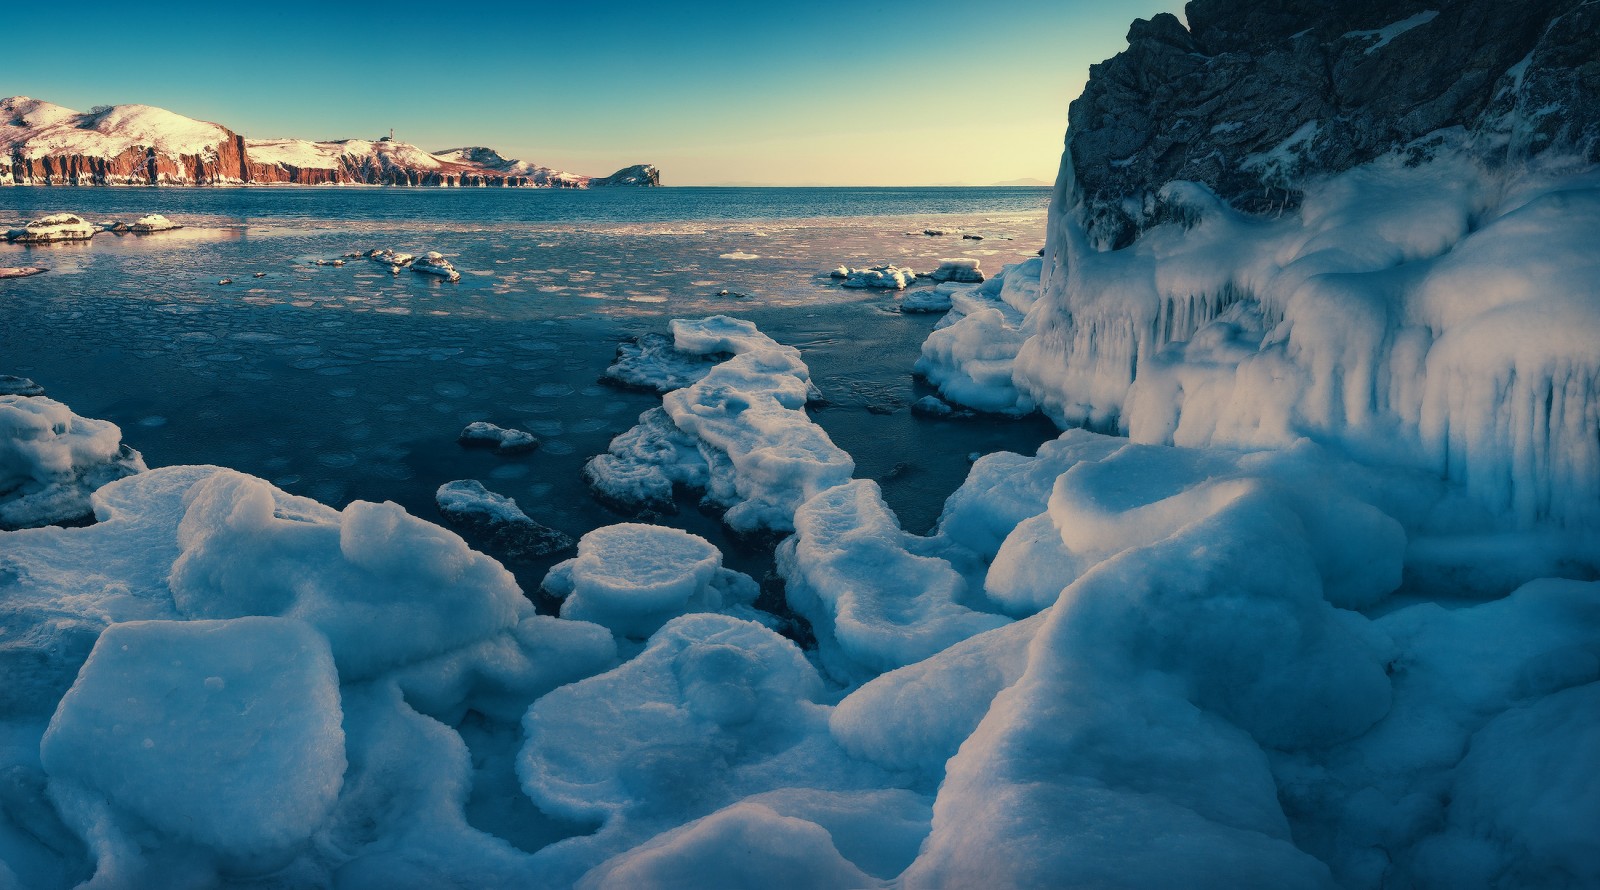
56, 227
498, 521
882, 277
154, 222
51, 460
932, 300
740, 433
21, 271
633, 578
434, 263
962, 270
482, 434
393, 259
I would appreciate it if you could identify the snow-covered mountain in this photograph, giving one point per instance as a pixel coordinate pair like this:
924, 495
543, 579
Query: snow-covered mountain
45, 144
121, 145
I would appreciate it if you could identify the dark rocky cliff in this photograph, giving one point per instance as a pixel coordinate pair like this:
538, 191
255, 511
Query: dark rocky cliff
1257, 95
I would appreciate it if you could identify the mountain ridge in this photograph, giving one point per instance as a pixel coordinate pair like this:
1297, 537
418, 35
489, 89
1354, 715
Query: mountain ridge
46, 144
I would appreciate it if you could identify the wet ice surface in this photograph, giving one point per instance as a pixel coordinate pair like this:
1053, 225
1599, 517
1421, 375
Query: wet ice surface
349, 382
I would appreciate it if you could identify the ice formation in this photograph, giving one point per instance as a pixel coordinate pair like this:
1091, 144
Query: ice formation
653, 362
633, 578
883, 277
154, 222
962, 270
434, 263
740, 433
1442, 315
51, 460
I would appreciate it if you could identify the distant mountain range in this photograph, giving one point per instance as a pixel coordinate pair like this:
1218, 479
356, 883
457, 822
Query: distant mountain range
46, 144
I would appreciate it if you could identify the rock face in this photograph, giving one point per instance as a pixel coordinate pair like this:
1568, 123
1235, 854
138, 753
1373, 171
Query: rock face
45, 144
638, 174
1255, 96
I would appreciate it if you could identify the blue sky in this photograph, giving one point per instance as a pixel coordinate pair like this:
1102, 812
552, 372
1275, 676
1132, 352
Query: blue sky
838, 93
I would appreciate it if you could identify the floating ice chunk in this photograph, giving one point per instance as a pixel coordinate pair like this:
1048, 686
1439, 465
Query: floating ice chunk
20, 271
498, 521
502, 440
963, 270
653, 362
51, 460
755, 451
56, 227
874, 602
154, 222
385, 587
221, 734
433, 263
633, 578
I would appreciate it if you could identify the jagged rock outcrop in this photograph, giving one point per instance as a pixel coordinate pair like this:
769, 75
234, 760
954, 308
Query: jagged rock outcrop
1254, 97
45, 144
638, 175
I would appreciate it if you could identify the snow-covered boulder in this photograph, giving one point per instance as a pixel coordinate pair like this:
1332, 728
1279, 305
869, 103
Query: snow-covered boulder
434, 263
654, 362
56, 227
154, 222
633, 578
51, 460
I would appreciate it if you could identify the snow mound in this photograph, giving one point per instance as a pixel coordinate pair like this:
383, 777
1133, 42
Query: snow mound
385, 587
55, 227
154, 222
633, 578
51, 460
164, 709
740, 432
434, 263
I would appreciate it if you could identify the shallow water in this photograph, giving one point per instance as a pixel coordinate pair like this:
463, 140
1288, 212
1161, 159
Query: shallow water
349, 382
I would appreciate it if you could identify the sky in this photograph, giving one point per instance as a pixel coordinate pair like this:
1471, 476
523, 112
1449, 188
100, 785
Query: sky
901, 92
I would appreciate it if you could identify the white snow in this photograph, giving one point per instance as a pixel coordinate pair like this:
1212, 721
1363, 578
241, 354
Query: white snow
962, 270
883, 277
47, 129
154, 222
55, 227
1382, 36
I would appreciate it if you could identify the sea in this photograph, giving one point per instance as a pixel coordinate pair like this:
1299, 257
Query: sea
342, 382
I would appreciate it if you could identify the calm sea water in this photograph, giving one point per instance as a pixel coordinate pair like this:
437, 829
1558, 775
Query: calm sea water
348, 382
